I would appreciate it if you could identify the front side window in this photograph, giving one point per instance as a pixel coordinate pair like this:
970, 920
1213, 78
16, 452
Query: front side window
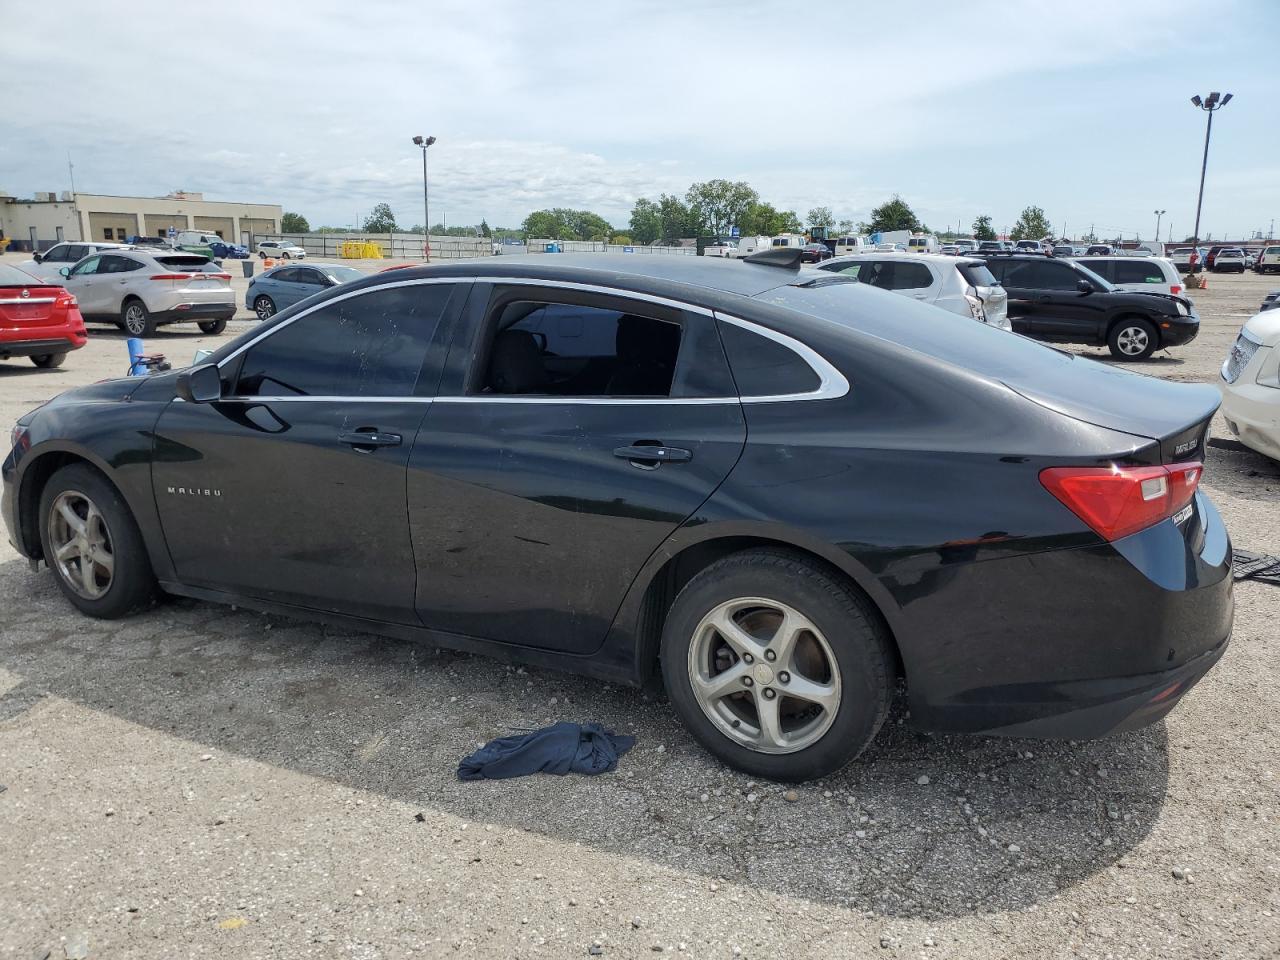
576, 350
287, 275
86, 267
1055, 276
75, 252
311, 278
371, 345
113, 263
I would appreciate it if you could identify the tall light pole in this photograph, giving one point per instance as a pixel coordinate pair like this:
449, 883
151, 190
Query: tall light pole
1210, 105
1159, 214
425, 142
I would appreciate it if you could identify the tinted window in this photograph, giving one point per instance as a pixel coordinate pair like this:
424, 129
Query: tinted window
847, 269
1056, 276
911, 276
311, 278
1131, 271
1103, 268
977, 275
111, 263
75, 252
287, 275
877, 273
372, 345
575, 350
763, 367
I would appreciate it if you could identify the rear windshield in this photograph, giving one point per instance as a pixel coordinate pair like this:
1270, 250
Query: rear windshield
343, 274
977, 275
187, 262
13, 277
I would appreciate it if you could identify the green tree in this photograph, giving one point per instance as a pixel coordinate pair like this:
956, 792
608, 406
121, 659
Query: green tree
982, 228
845, 227
484, 229
381, 220
894, 214
294, 223
646, 221
545, 224
821, 217
1031, 225
561, 223
623, 239
675, 218
717, 205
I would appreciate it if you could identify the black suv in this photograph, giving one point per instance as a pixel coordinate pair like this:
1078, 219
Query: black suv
1058, 300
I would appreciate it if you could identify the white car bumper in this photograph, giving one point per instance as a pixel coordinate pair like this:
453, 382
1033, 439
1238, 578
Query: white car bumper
1252, 412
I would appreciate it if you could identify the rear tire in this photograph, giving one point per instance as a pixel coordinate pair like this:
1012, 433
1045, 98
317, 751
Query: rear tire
49, 360
811, 696
119, 580
1133, 338
213, 327
137, 319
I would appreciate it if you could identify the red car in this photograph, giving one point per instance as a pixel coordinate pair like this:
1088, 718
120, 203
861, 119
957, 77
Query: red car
37, 319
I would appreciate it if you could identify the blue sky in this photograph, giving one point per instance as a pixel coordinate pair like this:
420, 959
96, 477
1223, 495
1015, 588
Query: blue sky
962, 108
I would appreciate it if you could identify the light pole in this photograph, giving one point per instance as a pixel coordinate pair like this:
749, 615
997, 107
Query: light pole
1210, 105
425, 142
1159, 214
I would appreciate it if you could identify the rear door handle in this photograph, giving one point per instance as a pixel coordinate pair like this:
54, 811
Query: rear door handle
651, 454
370, 439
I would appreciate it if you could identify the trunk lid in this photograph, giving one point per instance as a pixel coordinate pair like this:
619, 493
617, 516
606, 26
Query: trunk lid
28, 305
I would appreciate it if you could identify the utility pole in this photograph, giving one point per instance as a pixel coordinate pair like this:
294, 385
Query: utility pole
1159, 214
1211, 104
75, 204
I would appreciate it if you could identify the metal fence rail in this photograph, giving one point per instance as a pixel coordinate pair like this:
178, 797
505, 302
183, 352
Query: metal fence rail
595, 246
393, 246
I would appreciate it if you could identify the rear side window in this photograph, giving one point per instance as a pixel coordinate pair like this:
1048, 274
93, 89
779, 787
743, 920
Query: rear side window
372, 345
287, 275
763, 367
977, 275
1133, 271
112, 263
911, 276
1104, 269
579, 350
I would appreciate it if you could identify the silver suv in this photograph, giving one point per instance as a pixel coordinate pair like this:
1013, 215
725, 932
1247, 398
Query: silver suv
961, 285
139, 290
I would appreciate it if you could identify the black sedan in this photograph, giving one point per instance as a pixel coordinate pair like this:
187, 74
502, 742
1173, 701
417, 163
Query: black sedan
1062, 302
780, 491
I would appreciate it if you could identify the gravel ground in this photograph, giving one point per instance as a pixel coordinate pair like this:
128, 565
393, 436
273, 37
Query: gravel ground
206, 782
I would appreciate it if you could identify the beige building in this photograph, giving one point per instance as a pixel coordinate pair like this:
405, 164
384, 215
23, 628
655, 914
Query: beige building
47, 218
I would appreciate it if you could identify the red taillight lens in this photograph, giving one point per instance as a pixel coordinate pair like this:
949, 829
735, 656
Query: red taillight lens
1118, 501
1175, 288
171, 276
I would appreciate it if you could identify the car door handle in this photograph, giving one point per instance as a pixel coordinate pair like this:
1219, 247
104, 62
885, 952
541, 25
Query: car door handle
1044, 298
653, 454
369, 439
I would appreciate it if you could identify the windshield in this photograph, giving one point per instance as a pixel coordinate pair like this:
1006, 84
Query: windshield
343, 274
1106, 285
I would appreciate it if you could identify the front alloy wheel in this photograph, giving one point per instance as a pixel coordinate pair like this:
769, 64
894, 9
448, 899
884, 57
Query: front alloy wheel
264, 307
81, 545
764, 675
1133, 340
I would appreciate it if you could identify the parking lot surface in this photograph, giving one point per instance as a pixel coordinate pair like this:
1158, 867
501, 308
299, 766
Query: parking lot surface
201, 781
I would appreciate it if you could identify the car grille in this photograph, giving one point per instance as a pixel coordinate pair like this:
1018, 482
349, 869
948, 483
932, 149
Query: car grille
1239, 358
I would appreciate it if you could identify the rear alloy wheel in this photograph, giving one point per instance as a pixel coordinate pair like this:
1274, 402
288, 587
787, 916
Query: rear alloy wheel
264, 307
47, 360
138, 321
776, 666
1133, 339
213, 326
262, 255
92, 544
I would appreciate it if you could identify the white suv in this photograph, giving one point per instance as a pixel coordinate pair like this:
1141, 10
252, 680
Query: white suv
1137, 274
1268, 260
139, 290
284, 249
961, 285
48, 265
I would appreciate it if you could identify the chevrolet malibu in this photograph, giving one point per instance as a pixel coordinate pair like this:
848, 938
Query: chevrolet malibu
782, 492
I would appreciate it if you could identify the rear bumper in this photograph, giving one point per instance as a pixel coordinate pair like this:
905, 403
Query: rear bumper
38, 348
196, 311
1082, 642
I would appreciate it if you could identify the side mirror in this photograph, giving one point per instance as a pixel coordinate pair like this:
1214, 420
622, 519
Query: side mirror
1084, 286
202, 384
38, 257
65, 272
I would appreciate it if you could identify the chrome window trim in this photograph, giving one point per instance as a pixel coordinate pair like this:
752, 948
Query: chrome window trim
832, 384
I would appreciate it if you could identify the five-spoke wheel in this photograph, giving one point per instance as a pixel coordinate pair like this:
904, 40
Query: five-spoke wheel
81, 544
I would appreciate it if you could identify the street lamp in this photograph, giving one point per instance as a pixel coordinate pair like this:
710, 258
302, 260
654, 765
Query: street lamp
1210, 105
1159, 214
425, 142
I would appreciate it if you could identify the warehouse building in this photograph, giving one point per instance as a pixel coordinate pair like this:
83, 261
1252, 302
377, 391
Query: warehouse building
47, 218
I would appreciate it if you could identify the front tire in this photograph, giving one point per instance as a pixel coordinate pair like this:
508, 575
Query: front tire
1133, 339
92, 544
777, 666
47, 361
137, 319
284, 256
264, 307
213, 327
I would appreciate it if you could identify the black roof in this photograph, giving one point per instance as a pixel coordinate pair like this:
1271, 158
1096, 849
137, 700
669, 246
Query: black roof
649, 273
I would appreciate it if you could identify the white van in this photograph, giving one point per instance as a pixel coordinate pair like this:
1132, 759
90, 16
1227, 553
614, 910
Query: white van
749, 245
845, 245
789, 240
923, 243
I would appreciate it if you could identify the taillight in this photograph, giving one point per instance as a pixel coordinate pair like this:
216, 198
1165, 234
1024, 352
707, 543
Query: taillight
170, 276
1117, 501
218, 276
1175, 288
